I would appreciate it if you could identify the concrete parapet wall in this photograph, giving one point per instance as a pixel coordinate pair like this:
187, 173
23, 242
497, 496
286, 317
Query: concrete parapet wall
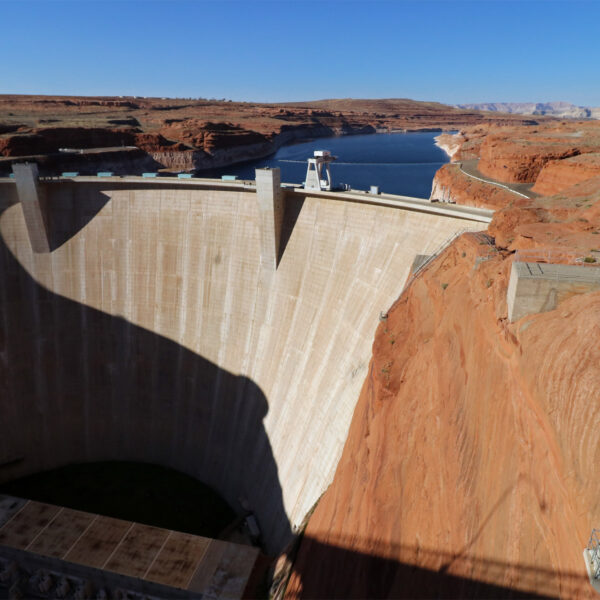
45, 547
539, 287
151, 333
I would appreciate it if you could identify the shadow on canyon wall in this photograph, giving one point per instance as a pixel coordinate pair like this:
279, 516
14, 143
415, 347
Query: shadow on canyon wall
81, 385
329, 571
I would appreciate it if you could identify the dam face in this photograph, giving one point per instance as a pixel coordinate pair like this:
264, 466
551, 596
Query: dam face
151, 332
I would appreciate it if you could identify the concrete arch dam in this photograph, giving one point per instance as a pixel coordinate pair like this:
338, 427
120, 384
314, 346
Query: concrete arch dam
154, 330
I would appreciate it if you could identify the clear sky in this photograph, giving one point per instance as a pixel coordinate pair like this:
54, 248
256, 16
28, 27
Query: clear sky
279, 50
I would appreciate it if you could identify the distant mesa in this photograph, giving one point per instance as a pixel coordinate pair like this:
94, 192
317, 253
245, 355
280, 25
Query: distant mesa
553, 109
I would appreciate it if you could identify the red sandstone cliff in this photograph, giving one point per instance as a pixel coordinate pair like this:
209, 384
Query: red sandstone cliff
450, 184
520, 161
470, 466
203, 134
550, 156
518, 155
558, 175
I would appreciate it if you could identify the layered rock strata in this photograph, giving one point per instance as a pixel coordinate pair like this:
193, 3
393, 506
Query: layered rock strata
205, 134
559, 175
520, 161
469, 469
451, 184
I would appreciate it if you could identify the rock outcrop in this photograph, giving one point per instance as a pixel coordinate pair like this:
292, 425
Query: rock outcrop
204, 134
449, 143
470, 466
559, 175
520, 161
450, 184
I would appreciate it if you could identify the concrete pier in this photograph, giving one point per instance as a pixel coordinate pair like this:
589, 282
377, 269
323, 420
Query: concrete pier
270, 206
540, 287
31, 196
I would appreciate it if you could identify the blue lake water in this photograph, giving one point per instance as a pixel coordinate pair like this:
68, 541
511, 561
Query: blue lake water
399, 163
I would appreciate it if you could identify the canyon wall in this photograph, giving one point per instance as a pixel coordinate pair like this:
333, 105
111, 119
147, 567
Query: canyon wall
152, 333
559, 175
450, 184
519, 161
198, 134
469, 469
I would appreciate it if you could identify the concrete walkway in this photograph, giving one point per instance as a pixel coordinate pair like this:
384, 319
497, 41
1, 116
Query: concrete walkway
469, 167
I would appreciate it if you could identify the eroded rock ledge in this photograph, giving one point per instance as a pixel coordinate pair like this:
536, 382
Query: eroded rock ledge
199, 134
469, 470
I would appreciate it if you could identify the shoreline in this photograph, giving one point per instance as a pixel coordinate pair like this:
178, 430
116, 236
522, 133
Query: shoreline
138, 160
297, 140
449, 143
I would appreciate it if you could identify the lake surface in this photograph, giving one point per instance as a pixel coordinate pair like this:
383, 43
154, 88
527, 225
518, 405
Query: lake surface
399, 163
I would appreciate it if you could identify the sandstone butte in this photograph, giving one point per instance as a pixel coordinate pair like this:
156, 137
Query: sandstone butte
470, 469
185, 134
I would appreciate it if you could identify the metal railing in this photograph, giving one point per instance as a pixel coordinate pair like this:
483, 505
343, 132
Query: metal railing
433, 255
488, 241
552, 256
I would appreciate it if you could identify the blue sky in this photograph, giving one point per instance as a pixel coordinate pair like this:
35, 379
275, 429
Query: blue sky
281, 50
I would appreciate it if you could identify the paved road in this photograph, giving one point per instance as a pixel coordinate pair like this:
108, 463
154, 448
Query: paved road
469, 167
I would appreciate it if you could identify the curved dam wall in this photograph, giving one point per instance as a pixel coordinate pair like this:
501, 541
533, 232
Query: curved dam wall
152, 333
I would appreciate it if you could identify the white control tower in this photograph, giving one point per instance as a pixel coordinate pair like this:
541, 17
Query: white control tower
318, 174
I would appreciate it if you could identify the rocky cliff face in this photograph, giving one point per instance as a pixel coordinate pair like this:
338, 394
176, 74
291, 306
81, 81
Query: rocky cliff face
553, 157
517, 155
470, 461
450, 184
559, 175
213, 133
520, 161
470, 466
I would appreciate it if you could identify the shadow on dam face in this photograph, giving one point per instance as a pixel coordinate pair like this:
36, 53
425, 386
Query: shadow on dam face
79, 385
153, 332
69, 214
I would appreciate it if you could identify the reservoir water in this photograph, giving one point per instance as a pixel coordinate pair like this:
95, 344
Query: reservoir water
399, 163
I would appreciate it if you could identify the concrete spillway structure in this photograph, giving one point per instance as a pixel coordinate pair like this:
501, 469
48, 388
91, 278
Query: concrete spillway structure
153, 332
